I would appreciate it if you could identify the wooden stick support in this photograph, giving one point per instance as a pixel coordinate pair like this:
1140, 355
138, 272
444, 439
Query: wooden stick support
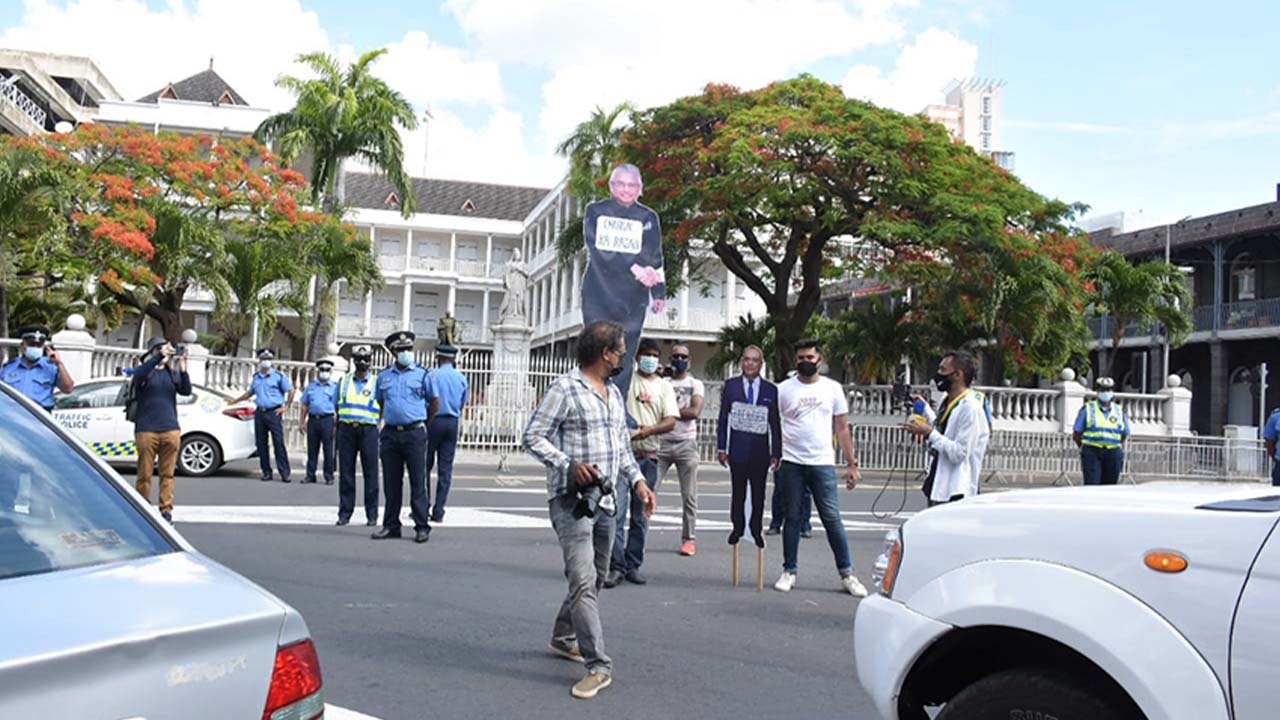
759, 569
735, 566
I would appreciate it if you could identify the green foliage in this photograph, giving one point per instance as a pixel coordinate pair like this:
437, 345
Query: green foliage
594, 149
342, 114
1139, 295
871, 339
332, 254
733, 339
778, 182
34, 250
262, 276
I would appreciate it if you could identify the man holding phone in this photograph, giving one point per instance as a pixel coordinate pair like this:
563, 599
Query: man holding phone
157, 383
38, 369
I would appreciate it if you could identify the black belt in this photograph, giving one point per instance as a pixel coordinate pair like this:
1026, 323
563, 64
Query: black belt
321, 417
270, 409
405, 428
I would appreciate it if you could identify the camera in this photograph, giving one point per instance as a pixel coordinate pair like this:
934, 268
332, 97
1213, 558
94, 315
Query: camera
182, 351
590, 497
900, 395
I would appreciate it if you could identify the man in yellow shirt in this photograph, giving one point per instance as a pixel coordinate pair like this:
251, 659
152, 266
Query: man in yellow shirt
652, 402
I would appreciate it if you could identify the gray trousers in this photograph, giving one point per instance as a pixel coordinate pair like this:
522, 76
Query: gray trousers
684, 455
586, 544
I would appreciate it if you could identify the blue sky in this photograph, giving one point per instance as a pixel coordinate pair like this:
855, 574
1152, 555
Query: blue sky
1156, 109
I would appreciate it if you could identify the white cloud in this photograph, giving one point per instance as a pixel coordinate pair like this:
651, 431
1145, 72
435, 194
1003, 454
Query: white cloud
428, 73
921, 71
650, 53
140, 50
493, 152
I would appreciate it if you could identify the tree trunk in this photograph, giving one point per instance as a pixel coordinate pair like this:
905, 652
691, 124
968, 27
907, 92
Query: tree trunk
322, 330
166, 309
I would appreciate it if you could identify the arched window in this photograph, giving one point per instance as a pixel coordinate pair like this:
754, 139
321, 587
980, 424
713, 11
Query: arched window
1244, 278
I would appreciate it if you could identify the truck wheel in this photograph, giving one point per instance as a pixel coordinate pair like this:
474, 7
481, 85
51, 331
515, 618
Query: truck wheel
1029, 694
199, 456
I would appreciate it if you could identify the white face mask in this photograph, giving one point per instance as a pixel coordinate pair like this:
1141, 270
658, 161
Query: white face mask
324, 376
405, 358
648, 364
1106, 396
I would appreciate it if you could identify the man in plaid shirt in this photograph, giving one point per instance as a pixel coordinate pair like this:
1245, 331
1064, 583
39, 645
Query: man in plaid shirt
579, 432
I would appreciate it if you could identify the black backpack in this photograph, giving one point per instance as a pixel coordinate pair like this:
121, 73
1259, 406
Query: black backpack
131, 399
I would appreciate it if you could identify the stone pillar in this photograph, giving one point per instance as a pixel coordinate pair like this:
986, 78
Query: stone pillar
453, 251
510, 396
339, 362
197, 358
1177, 407
684, 295
731, 296
1217, 386
1071, 397
484, 318
488, 255
408, 251
406, 306
575, 302
76, 348
452, 303
368, 314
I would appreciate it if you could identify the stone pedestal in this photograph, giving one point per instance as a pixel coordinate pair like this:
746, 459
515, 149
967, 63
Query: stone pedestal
509, 387
340, 365
75, 346
1071, 397
197, 358
1177, 407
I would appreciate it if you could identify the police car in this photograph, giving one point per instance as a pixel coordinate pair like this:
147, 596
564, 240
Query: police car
212, 432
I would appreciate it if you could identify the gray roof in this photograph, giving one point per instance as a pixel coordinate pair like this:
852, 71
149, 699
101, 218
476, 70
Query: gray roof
207, 86
446, 197
1255, 220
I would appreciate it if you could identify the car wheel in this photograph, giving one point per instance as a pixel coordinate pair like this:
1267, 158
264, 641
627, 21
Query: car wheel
199, 456
1030, 695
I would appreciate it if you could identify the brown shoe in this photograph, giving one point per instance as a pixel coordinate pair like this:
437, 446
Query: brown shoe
566, 651
588, 686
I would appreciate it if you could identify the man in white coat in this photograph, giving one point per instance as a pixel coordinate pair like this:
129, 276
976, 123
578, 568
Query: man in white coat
957, 434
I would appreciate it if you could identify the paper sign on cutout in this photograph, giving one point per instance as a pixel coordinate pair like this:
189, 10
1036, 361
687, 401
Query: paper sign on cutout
619, 235
751, 419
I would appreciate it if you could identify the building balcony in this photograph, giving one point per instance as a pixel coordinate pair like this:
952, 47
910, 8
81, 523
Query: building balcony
391, 262
469, 268
1236, 317
15, 98
431, 264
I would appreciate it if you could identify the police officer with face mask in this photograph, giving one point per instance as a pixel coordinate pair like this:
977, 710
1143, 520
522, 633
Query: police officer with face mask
358, 415
403, 391
1100, 431
273, 394
38, 369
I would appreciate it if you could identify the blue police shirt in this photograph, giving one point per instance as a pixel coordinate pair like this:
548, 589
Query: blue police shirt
321, 398
35, 381
1271, 431
449, 387
269, 390
1084, 412
403, 394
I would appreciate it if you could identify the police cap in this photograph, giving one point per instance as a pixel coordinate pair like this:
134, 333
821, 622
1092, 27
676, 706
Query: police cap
265, 354
446, 351
362, 351
324, 365
34, 334
400, 340
1105, 383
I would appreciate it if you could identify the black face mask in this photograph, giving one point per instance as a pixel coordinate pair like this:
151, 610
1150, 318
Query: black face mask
942, 382
680, 366
616, 370
807, 368
362, 365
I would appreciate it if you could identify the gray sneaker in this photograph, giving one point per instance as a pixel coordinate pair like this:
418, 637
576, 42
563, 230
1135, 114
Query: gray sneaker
587, 687
613, 579
566, 651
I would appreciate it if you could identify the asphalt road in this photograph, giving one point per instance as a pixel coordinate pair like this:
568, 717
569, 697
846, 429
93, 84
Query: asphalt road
458, 628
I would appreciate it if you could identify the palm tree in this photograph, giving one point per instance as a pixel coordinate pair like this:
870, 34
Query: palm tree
733, 339
871, 340
1138, 295
262, 276
31, 222
332, 254
593, 149
342, 114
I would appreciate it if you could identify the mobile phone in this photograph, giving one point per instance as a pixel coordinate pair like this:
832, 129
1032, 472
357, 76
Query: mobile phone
182, 351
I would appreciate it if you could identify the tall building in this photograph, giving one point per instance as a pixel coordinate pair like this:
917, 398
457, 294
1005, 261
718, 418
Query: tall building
972, 116
43, 92
201, 103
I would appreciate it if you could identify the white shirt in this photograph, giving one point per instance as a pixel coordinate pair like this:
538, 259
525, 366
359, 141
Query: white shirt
686, 389
807, 411
960, 450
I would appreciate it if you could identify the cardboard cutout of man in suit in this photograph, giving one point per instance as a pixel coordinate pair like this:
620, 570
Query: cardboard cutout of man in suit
624, 276
749, 440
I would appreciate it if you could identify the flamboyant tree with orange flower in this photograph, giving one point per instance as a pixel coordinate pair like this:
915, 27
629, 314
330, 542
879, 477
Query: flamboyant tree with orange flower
152, 212
794, 184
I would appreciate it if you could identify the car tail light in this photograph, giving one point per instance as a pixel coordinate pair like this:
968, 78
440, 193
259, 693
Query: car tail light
295, 684
239, 413
885, 571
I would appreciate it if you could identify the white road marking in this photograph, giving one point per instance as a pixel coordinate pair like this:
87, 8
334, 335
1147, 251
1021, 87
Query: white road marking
333, 712
323, 515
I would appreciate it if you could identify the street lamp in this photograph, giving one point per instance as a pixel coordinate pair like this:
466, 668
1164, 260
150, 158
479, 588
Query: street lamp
1168, 242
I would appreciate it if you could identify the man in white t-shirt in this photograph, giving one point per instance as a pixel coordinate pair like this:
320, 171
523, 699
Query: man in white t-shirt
680, 446
813, 409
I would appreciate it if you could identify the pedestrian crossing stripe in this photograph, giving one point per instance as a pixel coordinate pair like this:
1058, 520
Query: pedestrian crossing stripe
114, 449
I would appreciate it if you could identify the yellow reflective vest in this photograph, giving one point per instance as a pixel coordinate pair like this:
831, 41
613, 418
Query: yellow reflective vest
356, 405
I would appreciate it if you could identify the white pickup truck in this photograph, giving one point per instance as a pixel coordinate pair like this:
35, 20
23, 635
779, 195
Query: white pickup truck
1159, 601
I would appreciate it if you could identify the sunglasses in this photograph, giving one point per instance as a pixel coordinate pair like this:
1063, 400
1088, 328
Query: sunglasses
679, 357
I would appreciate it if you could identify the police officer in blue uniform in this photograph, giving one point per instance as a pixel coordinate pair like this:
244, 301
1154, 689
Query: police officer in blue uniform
449, 392
319, 406
1270, 434
38, 369
403, 393
1100, 431
273, 394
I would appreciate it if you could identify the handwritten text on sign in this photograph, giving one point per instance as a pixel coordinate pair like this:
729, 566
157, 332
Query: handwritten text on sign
753, 419
619, 235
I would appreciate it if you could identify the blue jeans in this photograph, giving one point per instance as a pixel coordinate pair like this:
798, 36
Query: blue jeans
267, 424
632, 556
820, 480
442, 442
1101, 466
780, 513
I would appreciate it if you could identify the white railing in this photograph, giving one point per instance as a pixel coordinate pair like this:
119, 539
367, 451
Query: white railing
22, 102
109, 362
351, 326
8, 349
469, 268
435, 264
382, 327
1029, 409
391, 262
1144, 411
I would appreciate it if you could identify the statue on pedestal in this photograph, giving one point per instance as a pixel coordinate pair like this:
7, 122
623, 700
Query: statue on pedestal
447, 330
515, 280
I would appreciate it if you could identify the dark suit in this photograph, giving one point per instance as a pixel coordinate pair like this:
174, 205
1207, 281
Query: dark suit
750, 449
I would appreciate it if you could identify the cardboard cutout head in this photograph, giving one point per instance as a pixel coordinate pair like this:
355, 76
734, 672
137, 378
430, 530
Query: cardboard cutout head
625, 184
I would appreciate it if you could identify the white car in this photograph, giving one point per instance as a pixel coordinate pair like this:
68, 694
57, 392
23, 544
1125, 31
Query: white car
1159, 601
212, 432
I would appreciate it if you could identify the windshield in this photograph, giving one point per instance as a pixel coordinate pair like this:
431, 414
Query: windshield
57, 510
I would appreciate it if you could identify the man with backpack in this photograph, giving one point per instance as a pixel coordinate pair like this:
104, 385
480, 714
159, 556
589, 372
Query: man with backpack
152, 407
